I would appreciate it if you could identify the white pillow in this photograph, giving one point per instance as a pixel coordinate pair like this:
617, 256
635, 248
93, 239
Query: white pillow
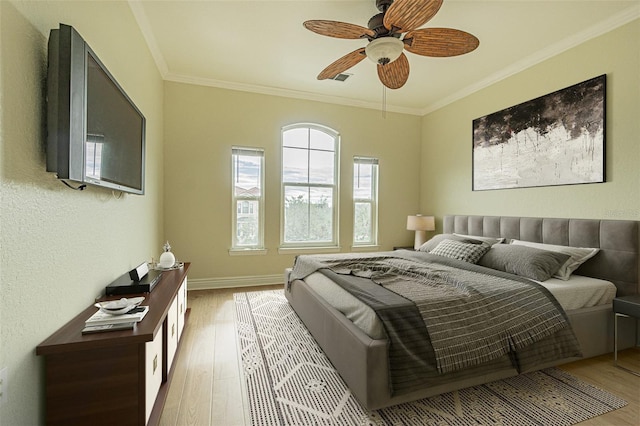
579, 255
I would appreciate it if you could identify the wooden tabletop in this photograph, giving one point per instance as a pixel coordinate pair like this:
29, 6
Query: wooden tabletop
70, 338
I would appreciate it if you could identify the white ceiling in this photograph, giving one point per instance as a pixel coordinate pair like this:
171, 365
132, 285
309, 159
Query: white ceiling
261, 46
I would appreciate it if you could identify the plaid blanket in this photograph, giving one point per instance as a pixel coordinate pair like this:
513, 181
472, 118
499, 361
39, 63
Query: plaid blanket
471, 317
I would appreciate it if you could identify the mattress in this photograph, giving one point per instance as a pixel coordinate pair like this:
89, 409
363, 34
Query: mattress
581, 292
577, 293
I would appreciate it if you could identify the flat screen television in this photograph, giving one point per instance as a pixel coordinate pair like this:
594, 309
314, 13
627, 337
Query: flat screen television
95, 133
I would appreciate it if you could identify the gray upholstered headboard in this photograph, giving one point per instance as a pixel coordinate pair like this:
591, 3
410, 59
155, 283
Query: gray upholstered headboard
618, 240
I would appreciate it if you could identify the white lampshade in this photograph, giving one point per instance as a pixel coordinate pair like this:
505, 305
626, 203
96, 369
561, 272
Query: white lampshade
384, 50
420, 224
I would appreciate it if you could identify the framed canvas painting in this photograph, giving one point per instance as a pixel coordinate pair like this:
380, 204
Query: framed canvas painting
556, 139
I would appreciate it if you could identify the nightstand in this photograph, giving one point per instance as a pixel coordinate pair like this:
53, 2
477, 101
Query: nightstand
625, 306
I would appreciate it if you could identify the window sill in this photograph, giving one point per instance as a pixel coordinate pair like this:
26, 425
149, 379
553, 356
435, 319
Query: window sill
365, 248
308, 250
247, 252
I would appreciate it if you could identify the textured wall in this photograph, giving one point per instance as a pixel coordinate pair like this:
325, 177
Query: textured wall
61, 247
447, 138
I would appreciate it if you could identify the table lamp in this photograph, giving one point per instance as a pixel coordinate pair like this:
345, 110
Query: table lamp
420, 224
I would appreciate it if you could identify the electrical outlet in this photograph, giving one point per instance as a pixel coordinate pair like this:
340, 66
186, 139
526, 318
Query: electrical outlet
3, 386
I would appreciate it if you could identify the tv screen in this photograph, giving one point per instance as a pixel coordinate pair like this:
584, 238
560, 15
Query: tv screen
96, 134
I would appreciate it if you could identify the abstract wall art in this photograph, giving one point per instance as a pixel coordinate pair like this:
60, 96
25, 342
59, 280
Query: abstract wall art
556, 139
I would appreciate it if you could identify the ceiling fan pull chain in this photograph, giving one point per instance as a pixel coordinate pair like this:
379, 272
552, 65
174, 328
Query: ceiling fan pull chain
384, 101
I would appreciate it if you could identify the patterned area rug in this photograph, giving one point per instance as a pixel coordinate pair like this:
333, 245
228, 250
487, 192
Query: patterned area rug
291, 382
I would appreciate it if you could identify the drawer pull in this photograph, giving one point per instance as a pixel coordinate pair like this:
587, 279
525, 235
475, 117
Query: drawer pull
173, 330
155, 363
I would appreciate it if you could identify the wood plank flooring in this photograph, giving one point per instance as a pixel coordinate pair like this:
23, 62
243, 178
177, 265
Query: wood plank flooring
207, 387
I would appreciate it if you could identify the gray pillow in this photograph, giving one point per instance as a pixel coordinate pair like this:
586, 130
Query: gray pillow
489, 240
577, 256
437, 239
465, 251
529, 262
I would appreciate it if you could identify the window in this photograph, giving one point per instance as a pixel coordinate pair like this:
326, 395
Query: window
365, 201
309, 186
248, 198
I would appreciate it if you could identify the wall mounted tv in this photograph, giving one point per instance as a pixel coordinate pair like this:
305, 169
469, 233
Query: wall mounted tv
95, 133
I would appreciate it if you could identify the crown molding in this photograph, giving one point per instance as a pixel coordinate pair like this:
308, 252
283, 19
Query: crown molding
286, 93
145, 28
603, 27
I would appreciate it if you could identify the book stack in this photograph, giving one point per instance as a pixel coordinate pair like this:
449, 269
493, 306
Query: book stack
101, 321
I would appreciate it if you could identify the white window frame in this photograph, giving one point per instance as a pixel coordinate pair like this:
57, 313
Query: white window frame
315, 246
236, 247
373, 201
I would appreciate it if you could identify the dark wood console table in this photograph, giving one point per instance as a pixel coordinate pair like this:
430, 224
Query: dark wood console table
116, 377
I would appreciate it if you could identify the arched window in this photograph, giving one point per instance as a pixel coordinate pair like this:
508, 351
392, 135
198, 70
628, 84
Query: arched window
309, 186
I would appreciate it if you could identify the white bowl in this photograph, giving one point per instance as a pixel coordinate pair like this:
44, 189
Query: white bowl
119, 307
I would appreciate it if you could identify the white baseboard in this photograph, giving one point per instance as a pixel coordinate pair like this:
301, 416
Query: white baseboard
232, 282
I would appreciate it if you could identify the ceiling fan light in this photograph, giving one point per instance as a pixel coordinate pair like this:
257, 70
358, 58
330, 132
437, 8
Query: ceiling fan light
384, 50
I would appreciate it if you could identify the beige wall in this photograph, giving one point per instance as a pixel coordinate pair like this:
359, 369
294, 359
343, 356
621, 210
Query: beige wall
201, 126
446, 138
59, 247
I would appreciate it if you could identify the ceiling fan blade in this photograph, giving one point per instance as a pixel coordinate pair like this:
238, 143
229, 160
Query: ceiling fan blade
394, 74
342, 64
407, 15
440, 42
338, 29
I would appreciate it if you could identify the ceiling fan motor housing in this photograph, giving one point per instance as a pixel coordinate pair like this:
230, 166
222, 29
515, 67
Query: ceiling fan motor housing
383, 5
375, 24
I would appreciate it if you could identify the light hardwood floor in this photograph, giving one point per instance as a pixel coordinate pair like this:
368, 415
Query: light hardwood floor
207, 388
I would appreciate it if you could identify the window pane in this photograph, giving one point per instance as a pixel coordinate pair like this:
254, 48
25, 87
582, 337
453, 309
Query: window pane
321, 169
362, 181
247, 175
321, 140
321, 214
296, 138
308, 214
295, 165
247, 228
296, 214
362, 226
248, 198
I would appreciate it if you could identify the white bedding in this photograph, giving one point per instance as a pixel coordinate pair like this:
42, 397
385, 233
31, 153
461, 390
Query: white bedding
580, 292
576, 293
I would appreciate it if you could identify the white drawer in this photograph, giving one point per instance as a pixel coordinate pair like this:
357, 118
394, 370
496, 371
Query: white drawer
182, 306
172, 332
153, 371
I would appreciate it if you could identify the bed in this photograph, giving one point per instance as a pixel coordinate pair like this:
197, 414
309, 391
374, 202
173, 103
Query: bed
363, 360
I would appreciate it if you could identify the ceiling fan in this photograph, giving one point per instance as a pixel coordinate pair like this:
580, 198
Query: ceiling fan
389, 33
